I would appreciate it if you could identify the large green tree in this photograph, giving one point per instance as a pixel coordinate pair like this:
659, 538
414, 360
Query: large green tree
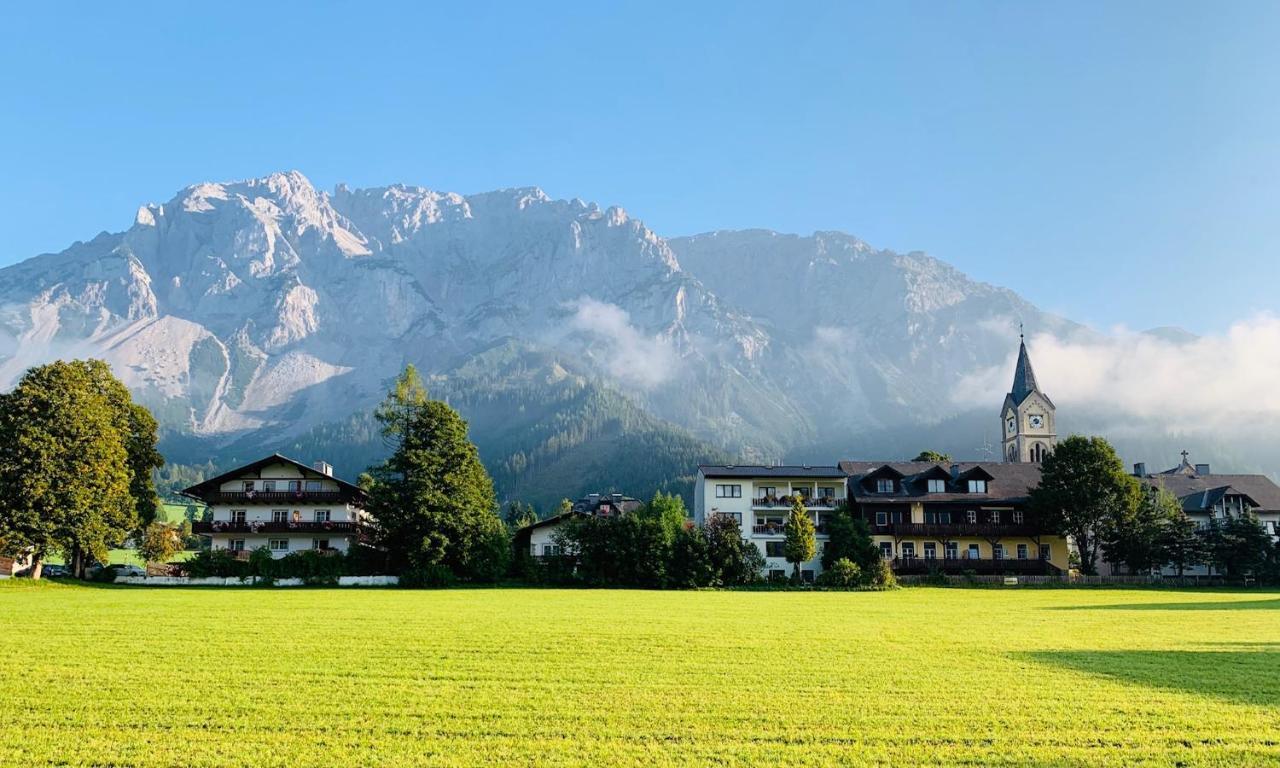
849, 539
76, 461
1182, 543
941, 458
432, 498
1136, 537
1238, 545
800, 543
1084, 491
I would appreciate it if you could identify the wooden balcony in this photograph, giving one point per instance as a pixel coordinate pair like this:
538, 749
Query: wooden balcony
949, 531
333, 528
982, 567
277, 497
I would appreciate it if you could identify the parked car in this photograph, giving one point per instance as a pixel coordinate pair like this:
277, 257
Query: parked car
55, 572
128, 570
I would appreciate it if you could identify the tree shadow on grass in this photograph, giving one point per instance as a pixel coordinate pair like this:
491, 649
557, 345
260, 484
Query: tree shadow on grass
1243, 676
1271, 604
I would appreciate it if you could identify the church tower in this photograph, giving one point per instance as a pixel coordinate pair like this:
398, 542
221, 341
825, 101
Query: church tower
1027, 418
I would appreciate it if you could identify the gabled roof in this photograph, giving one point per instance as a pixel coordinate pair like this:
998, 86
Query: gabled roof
1199, 493
213, 483
739, 470
1006, 482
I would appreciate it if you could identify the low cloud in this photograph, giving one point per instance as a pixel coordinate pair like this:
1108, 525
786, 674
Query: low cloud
632, 356
1219, 382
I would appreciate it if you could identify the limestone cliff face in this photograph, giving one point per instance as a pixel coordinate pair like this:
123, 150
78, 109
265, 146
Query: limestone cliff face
266, 304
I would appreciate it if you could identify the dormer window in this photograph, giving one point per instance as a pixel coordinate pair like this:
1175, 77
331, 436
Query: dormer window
977, 486
884, 485
937, 486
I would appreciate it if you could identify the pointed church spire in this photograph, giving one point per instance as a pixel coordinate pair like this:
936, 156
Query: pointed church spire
1024, 378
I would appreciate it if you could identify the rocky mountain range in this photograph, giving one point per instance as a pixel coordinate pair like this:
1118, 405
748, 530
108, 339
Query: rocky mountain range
266, 314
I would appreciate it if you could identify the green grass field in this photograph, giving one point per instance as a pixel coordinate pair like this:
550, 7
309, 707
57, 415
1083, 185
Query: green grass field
90, 675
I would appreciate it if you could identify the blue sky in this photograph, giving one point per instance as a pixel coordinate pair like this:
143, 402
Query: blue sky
1115, 162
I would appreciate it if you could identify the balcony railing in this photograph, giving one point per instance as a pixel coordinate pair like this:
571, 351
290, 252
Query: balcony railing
909, 565
256, 526
276, 497
957, 530
772, 529
818, 502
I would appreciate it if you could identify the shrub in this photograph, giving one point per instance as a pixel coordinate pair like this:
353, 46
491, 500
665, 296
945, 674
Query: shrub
218, 563
842, 573
427, 577
883, 577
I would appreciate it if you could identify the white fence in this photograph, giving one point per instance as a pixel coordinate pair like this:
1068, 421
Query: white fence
214, 581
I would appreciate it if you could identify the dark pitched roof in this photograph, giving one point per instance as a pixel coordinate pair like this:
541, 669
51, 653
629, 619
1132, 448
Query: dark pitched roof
213, 483
1024, 377
739, 470
1008, 482
1200, 492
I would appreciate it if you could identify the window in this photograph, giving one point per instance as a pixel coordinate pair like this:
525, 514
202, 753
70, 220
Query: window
886, 550
269, 485
777, 573
734, 516
1022, 552
937, 518
1271, 527
884, 485
295, 486
806, 576
977, 486
768, 491
908, 550
1038, 453
1017, 517
319, 543
770, 520
951, 551
882, 518
237, 516
728, 491
279, 515
997, 551
248, 486
937, 486
321, 515
802, 491
278, 545
551, 550
313, 486
774, 549
994, 516
930, 551
974, 553
236, 545
972, 516
1046, 552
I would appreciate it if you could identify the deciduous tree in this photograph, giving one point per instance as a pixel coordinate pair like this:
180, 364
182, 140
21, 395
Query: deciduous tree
1083, 491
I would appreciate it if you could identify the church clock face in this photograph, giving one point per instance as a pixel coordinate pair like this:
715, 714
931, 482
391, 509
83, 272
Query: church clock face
1011, 424
1036, 421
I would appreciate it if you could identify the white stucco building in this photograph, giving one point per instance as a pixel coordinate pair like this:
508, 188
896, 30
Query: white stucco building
283, 505
759, 500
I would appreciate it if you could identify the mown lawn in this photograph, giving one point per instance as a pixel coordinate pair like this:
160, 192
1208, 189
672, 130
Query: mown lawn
90, 676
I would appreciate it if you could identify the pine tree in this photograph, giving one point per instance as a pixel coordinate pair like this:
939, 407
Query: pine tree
432, 498
1181, 543
800, 544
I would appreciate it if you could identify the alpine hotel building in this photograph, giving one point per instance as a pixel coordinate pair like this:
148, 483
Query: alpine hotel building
924, 516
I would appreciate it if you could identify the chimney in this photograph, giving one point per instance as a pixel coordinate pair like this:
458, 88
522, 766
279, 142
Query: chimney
1140, 469
323, 467
1203, 469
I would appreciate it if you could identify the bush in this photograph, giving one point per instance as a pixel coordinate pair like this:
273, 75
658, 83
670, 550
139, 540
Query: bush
842, 573
883, 577
936, 578
217, 563
427, 577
